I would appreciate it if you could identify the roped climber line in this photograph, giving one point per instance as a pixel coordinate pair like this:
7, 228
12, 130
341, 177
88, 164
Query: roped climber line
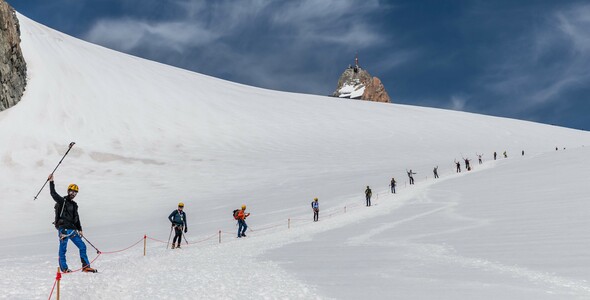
145, 237
332, 212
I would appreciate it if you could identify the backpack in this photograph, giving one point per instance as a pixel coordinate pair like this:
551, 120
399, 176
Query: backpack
236, 211
56, 221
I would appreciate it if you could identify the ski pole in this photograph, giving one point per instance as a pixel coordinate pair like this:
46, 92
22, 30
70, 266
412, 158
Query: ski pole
97, 251
69, 148
169, 236
184, 236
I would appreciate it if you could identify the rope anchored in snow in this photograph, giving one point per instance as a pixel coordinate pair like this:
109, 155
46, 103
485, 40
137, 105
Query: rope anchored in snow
218, 234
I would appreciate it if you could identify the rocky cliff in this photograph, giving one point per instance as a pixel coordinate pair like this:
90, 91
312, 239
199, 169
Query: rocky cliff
357, 83
13, 69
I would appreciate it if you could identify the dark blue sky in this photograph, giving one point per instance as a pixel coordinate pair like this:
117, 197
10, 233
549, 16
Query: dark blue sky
522, 59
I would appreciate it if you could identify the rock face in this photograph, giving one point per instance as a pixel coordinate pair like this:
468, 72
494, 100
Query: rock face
357, 83
13, 69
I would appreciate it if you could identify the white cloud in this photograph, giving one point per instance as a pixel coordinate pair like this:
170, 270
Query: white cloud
546, 64
572, 26
394, 59
458, 102
575, 24
303, 22
128, 34
339, 22
324, 11
250, 41
123, 34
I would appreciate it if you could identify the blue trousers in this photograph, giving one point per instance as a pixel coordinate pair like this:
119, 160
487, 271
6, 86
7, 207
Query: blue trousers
71, 234
242, 226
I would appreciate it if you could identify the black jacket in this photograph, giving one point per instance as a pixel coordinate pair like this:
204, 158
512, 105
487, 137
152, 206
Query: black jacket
69, 218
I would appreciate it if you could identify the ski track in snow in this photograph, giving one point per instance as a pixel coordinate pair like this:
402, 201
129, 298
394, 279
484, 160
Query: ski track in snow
555, 284
436, 254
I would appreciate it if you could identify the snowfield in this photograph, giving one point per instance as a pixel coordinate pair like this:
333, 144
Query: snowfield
149, 136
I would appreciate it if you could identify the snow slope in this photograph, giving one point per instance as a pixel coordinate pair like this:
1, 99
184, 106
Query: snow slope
514, 230
150, 135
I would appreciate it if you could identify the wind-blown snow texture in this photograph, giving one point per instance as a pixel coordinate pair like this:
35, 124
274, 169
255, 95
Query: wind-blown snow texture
150, 135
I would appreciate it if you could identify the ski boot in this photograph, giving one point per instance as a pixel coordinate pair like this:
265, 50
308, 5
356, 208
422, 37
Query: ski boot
89, 270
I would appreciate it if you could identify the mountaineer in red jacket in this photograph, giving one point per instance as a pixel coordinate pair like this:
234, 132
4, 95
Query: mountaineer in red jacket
241, 217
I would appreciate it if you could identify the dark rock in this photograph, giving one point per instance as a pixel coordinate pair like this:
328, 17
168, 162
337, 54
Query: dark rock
356, 83
13, 69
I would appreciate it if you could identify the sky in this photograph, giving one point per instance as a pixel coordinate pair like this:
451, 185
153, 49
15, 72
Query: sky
521, 59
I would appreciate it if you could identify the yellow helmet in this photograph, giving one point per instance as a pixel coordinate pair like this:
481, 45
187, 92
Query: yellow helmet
73, 187
243, 206
180, 204
316, 199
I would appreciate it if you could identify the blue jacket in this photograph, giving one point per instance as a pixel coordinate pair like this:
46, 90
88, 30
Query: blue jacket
315, 205
178, 218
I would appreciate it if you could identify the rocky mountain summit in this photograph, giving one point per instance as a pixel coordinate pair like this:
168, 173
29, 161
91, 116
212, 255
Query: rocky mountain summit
357, 83
13, 69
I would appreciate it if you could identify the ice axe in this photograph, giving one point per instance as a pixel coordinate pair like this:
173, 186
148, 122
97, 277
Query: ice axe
184, 236
69, 148
97, 251
169, 236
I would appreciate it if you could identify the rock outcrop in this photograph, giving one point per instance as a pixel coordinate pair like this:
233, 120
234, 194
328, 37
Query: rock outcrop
13, 69
357, 83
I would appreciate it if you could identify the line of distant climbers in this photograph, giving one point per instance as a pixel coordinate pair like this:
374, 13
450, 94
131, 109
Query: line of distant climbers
411, 173
240, 214
67, 220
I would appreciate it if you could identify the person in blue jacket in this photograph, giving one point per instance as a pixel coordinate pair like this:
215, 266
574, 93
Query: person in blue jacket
178, 220
67, 223
315, 206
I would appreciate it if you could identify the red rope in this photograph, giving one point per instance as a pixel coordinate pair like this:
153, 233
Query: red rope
268, 227
52, 288
205, 239
110, 252
156, 240
57, 278
78, 270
